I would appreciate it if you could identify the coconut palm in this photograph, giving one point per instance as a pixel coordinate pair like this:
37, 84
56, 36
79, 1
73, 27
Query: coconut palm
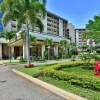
28, 12
32, 39
8, 35
89, 37
49, 43
63, 44
72, 46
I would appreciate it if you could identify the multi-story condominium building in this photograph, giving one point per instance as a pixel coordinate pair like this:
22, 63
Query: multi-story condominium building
3, 42
55, 28
78, 37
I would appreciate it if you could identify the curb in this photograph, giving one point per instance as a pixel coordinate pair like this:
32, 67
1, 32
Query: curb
56, 90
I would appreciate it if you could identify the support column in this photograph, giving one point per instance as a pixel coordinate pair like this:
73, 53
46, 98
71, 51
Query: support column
24, 50
56, 50
12, 53
0, 51
42, 50
12, 50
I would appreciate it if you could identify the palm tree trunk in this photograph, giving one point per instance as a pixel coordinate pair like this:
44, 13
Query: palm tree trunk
62, 53
48, 53
27, 44
9, 52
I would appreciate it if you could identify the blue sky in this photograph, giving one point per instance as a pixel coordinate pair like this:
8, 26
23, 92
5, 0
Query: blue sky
77, 12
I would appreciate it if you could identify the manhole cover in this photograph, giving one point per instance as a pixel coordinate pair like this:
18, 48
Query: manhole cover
3, 81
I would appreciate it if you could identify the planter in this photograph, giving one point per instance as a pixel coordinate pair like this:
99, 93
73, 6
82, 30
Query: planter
29, 66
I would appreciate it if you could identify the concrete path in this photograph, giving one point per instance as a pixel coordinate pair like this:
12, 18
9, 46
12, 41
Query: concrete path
40, 62
13, 87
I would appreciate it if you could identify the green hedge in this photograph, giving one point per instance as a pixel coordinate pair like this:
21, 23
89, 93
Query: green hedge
90, 82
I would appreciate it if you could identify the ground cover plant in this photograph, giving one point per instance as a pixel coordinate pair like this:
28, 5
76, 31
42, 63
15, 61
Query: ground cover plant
70, 76
82, 80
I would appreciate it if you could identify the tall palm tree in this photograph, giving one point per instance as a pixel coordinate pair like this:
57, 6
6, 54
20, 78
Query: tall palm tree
32, 39
89, 35
8, 35
29, 12
63, 44
49, 43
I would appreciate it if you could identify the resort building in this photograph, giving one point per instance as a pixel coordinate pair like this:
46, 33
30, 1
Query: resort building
55, 28
78, 37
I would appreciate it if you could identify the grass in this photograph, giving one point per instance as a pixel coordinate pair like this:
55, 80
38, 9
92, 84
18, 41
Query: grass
80, 70
31, 71
83, 92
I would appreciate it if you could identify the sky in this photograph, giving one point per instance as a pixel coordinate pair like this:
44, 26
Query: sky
77, 12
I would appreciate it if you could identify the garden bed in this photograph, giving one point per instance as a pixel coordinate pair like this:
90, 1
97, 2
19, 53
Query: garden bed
70, 76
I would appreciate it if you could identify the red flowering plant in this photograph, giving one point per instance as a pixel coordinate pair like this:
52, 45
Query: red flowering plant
29, 66
97, 68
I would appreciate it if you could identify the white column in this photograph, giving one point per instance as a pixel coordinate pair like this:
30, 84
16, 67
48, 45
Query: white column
56, 50
42, 50
12, 50
24, 50
60, 27
0, 51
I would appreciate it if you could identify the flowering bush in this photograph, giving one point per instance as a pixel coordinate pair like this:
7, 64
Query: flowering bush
87, 57
97, 68
29, 66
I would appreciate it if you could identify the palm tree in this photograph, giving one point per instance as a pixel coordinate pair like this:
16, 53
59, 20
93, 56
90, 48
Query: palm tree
49, 43
8, 35
89, 36
28, 12
63, 44
72, 46
32, 39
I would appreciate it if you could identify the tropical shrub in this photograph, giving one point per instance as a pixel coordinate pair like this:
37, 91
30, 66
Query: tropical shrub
85, 81
22, 59
97, 69
87, 57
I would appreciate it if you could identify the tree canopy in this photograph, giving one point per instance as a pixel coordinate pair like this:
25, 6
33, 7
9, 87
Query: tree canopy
93, 29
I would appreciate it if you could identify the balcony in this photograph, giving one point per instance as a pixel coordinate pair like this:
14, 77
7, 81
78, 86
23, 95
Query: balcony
49, 18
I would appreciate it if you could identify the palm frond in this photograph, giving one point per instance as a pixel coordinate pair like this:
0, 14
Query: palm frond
32, 38
49, 42
8, 35
19, 23
6, 18
31, 18
40, 24
38, 8
1, 35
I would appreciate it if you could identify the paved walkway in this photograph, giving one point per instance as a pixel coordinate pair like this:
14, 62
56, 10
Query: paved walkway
13, 87
39, 62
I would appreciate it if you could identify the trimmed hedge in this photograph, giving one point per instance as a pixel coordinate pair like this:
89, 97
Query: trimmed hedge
91, 82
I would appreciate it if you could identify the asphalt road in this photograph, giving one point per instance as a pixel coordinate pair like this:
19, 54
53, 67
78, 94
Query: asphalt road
13, 87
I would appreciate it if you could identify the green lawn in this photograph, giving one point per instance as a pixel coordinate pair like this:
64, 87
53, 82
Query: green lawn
84, 92
31, 71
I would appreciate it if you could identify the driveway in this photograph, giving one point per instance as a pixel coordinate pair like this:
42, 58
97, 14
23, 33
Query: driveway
13, 87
